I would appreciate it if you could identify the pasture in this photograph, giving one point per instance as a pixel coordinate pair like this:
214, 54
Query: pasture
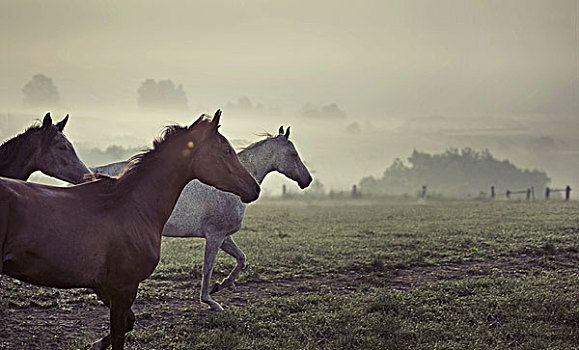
354, 274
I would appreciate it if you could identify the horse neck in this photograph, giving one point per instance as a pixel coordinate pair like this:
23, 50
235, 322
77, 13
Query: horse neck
17, 158
156, 190
259, 160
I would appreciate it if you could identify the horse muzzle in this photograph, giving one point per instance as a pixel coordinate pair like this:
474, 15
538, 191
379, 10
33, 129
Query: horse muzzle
250, 196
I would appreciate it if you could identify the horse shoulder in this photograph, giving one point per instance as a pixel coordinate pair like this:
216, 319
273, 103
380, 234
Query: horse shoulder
132, 251
185, 219
225, 213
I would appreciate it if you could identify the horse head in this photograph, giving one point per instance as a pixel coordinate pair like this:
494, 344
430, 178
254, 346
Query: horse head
56, 156
288, 161
214, 161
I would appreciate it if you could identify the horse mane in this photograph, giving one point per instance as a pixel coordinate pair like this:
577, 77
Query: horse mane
267, 136
142, 163
8, 148
145, 158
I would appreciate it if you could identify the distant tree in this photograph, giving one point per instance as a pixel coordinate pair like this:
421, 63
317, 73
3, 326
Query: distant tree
453, 173
354, 128
245, 106
40, 91
331, 111
113, 153
161, 95
243, 103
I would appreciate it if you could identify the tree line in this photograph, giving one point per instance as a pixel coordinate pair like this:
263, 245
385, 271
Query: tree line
456, 173
157, 95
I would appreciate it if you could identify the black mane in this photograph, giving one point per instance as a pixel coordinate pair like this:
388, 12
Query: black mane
146, 157
117, 188
140, 163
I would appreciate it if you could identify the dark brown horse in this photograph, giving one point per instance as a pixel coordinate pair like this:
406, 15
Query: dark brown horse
106, 234
45, 148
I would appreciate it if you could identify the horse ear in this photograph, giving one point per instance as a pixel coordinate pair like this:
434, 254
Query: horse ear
47, 121
281, 130
216, 118
287, 132
61, 124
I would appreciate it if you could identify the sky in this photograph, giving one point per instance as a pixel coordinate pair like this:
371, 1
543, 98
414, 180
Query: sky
411, 74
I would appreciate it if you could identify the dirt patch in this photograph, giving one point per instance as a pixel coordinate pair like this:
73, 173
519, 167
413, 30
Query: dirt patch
71, 324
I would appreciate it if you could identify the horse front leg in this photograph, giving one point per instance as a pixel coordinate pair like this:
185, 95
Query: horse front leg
122, 318
105, 342
211, 249
232, 249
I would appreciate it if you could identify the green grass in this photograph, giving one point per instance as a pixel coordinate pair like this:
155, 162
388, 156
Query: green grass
307, 240
485, 313
369, 275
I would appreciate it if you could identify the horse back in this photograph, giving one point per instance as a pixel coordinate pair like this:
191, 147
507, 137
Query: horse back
57, 237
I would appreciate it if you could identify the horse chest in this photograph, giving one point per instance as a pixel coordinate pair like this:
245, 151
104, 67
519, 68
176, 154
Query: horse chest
135, 256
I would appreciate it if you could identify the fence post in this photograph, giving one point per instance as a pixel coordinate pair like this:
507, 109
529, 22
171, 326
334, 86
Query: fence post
423, 192
493, 192
354, 191
528, 194
508, 193
283, 191
547, 192
567, 192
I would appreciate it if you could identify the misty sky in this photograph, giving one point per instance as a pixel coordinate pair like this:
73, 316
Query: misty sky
382, 62
374, 57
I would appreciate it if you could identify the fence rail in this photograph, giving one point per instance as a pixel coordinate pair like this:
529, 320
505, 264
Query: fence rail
567, 191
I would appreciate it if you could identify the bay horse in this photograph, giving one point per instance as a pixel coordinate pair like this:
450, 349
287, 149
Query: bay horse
204, 211
106, 234
42, 147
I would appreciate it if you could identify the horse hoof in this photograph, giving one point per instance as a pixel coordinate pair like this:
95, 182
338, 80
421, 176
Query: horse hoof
102, 344
216, 288
98, 346
217, 308
214, 306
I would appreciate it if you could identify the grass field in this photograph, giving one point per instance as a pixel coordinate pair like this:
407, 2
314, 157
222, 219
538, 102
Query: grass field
345, 275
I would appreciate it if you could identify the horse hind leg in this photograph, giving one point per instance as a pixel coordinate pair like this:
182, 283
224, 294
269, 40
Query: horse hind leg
211, 249
232, 249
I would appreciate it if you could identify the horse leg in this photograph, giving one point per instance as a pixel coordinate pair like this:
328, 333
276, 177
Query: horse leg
106, 341
122, 317
211, 248
232, 249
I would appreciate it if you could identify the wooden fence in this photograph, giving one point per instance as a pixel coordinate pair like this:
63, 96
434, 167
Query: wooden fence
567, 191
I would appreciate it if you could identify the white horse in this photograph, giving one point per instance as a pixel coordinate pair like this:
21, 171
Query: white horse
204, 211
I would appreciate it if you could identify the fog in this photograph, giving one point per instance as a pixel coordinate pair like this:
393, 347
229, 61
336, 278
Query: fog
360, 83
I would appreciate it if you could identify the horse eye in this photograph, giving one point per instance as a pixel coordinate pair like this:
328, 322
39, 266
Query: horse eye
62, 148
